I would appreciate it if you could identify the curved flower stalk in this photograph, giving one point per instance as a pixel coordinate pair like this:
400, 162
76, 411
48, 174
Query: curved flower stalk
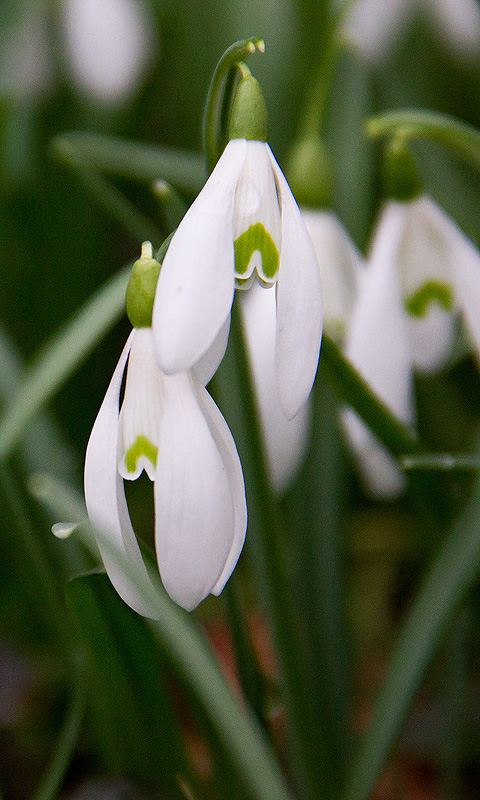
375, 24
170, 427
244, 226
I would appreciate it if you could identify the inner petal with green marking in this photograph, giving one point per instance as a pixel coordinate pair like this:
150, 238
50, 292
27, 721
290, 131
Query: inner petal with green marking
431, 292
141, 447
256, 239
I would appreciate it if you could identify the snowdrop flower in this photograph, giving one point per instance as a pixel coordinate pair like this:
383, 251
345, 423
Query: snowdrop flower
285, 439
375, 25
341, 267
244, 226
109, 45
170, 427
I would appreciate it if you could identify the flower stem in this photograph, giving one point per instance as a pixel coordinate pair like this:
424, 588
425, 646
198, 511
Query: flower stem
309, 759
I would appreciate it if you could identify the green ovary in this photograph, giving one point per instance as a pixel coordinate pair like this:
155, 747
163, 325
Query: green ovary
141, 447
431, 292
256, 237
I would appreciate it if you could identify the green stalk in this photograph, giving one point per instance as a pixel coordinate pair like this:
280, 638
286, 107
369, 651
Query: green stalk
309, 760
414, 124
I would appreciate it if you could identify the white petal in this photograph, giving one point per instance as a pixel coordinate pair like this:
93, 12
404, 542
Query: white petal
105, 496
196, 283
285, 440
299, 306
459, 22
228, 452
424, 255
205, 369
466, 274
194, 510
109, 43
380, 473
375, 25
142, 406
377, 346
340, 265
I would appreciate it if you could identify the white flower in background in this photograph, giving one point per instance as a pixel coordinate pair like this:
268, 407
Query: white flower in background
109, 45
341, 267
377, 345
170, 427
422, 273
285, 439
375, 25
244, 226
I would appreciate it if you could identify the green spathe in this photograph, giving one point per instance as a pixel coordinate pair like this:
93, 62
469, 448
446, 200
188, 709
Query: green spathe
141, 447
249, 112
141, 288
256, 237
431, 292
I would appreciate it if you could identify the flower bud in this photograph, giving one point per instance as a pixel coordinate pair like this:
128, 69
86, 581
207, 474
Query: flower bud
309, 172
141, 288
248, 119
401, 176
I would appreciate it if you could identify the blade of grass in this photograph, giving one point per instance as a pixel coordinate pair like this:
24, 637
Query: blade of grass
141, 162
446, 583
105, 193
192, 657
61, 356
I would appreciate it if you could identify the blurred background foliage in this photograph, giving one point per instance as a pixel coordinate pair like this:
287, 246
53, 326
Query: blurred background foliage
58, 243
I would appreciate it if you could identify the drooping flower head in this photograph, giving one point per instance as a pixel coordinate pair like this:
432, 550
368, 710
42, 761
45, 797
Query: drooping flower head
244, 226
169, 426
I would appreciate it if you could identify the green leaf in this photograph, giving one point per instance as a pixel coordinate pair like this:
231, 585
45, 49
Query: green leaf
61, 356
446, 584
192, 658
414, 124
138, 161
135, 724
443, 462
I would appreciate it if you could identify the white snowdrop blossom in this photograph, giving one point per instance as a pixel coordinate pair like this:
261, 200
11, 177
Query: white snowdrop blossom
170, 427
423, 272
285, 439
341, 267
375, 25
109, 45
244, 226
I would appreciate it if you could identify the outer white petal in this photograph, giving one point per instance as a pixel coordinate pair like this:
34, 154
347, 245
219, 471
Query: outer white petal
205, 369
105, 496
299, 306
424, 254
194, 509
377, 346
340, 265
459, 22
465, 261
374, 25
196, 283
228, 452
285, 440
109, 44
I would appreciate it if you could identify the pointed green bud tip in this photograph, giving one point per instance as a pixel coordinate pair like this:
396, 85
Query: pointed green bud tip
141, 288
248, 119
310, 173
401, 175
